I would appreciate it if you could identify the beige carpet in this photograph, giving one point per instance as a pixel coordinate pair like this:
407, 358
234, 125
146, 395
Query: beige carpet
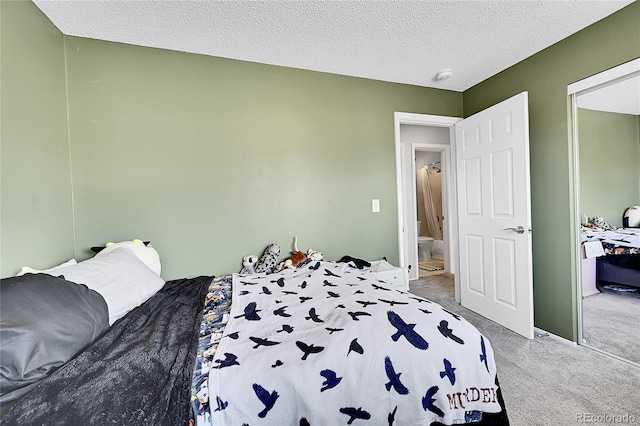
610, 321
547, 381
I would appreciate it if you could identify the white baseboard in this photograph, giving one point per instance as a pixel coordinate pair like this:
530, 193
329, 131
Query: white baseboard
540, 332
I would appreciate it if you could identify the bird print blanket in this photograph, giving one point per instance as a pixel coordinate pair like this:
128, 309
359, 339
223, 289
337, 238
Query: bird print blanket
620, 241
328, 344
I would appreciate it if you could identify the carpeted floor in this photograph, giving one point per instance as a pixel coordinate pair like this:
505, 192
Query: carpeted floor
549, 381
612, 322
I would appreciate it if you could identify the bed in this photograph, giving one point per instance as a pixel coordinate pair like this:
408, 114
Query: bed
325, 343
620, 263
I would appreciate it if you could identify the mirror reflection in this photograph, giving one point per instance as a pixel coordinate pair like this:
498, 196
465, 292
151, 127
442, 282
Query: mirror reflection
608, 126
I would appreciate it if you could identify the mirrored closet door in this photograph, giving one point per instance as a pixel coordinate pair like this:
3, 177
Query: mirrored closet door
606, 114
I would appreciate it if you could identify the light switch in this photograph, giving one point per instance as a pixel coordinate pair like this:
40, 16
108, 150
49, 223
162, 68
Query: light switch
375, 205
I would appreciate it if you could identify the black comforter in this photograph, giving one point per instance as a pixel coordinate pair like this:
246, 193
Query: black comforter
138, 372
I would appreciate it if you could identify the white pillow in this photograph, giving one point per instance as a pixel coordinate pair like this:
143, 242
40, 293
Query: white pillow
122, 279
146, 253
50, 271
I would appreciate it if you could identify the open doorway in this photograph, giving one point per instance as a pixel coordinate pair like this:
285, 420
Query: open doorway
424, 141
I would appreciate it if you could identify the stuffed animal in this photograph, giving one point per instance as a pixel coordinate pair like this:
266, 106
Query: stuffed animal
248, 264
142, 249
314, 255
600, 223
293, 261
268, 262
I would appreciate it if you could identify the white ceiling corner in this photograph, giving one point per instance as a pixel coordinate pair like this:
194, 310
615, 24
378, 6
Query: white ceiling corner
397, 41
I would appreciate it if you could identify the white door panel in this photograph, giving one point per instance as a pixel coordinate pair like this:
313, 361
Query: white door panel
492, 159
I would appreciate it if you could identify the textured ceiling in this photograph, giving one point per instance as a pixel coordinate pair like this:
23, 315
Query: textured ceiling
398, 41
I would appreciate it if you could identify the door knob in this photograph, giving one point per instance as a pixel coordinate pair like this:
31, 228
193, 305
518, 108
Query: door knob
519, 229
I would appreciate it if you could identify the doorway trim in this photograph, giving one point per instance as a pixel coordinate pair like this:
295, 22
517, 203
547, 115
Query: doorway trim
406, 231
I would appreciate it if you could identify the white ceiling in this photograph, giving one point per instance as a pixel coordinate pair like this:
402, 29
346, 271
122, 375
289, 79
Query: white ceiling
397, 41
622, 97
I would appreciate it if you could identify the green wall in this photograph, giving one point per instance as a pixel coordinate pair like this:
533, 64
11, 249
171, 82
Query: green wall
213, 159
605, 44
210, 159
36, 220
609, 164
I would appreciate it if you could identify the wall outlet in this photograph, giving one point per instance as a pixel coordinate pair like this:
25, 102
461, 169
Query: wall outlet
375, 205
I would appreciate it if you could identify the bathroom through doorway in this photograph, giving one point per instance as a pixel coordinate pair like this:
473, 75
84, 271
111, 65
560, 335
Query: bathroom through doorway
415, 135
429, 212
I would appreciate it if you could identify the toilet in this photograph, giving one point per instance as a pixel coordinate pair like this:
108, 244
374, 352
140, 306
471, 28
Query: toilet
424, 246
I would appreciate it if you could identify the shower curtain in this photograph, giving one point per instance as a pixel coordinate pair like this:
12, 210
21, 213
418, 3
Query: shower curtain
429, 198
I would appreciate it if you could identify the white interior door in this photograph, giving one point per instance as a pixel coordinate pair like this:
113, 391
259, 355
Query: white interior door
494, 214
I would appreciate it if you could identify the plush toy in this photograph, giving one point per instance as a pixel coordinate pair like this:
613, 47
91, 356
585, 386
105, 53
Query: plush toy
143, 250
268, 262
295, 258
314, 255
293, 261
249, 264
600, 223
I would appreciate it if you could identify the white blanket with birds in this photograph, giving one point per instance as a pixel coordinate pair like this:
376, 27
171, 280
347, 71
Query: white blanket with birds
328, 344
